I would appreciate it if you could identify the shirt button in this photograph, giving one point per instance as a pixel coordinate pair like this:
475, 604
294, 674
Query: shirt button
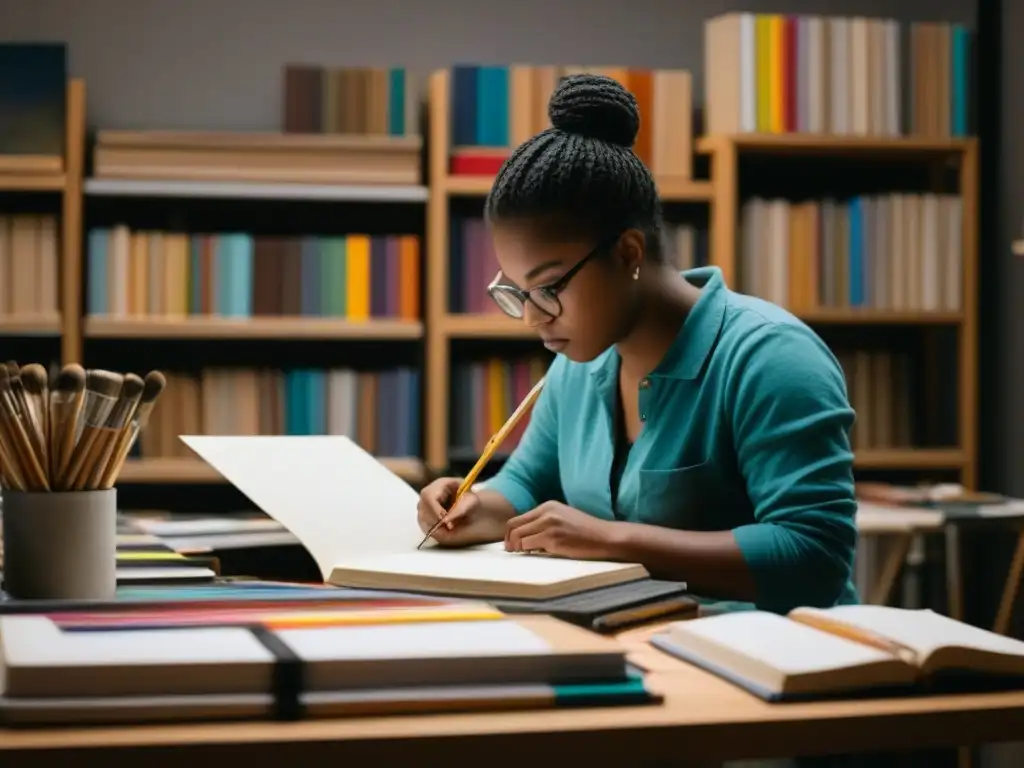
643, 417
645, 383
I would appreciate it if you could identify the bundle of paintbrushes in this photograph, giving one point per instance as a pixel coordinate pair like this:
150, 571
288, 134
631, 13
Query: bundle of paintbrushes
75, 433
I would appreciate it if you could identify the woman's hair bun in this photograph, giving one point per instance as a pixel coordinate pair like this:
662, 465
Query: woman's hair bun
597, 107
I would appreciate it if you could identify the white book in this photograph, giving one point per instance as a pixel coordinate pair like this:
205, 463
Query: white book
357, 519
813, 653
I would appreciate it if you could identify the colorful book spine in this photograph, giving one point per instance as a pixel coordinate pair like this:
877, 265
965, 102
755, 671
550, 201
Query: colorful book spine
484, 395
775, 73
896, 252
356, 277
350, 100
378, 410
497, 107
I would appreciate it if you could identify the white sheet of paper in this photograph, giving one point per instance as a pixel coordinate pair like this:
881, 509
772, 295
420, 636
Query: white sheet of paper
336, 498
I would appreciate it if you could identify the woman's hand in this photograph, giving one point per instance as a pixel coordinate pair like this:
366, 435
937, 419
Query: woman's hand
459, 529
561, 530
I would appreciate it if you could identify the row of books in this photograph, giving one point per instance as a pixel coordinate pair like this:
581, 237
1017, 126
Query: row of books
496, 106
772, 73
879, 387
350, 100
140, 273
29, 265
474, 265
886, 252
378, 410
484, 395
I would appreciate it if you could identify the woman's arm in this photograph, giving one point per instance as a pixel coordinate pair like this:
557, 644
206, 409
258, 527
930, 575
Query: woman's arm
791, 421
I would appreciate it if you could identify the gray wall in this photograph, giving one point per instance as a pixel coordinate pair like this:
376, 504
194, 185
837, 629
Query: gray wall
216, 64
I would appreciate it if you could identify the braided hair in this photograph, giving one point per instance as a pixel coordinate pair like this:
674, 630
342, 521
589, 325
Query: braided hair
581, 175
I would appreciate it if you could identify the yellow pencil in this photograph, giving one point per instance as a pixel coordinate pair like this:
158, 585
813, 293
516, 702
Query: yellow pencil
492, 445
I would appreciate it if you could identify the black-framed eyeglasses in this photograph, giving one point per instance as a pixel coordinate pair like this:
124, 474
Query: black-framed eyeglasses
512, 300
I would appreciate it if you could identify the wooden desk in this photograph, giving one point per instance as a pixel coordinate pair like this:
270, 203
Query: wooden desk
703, 718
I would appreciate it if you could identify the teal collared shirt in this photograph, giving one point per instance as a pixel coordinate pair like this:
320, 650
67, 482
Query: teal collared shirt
746, 428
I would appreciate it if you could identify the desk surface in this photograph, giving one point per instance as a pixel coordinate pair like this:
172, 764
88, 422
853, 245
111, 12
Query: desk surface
702, 718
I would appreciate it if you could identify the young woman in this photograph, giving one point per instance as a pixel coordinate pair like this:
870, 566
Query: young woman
700, 432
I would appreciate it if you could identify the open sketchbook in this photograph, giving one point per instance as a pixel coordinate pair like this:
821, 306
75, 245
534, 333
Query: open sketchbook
808, 654
358, 521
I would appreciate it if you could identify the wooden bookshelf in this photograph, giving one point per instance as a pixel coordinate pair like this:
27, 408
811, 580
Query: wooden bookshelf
722, 192
325, 328
130, 169
442, 326
724, 152
177, 471
61, 174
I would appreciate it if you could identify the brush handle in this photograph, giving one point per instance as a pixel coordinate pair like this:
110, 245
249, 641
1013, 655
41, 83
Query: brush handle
96, 408
69, 410
20, 446
125, 441
11, 472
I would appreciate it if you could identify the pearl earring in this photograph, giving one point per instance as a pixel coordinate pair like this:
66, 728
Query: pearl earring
636, 274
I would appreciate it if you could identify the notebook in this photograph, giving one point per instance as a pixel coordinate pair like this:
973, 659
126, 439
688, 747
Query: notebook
780, 658
358, 521
614, 608
74, 669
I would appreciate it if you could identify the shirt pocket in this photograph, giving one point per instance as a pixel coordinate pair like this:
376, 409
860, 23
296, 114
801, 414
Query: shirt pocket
686, 498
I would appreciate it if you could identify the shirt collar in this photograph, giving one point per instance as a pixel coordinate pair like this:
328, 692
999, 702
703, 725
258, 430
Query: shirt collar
693, 344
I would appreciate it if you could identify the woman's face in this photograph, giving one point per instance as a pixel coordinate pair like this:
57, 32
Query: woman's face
591, 282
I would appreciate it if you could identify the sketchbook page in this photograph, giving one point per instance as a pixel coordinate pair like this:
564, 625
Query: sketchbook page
786, 646
923, 630
334, 497
485, 563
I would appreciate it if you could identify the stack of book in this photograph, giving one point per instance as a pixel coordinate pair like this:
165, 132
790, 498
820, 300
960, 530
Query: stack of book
297, 652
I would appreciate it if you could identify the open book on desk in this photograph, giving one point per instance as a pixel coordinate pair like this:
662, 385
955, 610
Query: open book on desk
358, 521
853, 649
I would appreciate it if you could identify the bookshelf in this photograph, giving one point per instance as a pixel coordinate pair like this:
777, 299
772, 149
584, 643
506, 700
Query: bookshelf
63, 175
722, 194
444, 327
962, 153
329, 299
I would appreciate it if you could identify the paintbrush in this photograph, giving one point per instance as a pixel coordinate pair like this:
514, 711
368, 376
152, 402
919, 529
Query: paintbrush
34, 392
101, 390
117, 422
152, 388
66, 401
19, 447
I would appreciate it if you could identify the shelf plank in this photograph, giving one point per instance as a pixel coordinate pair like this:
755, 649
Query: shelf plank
32, 182
671, 189
467, 185
98, 327
824, 144
911, 458
852, 316
172, 471
30, 325
675, 190
471, 326
254, 190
